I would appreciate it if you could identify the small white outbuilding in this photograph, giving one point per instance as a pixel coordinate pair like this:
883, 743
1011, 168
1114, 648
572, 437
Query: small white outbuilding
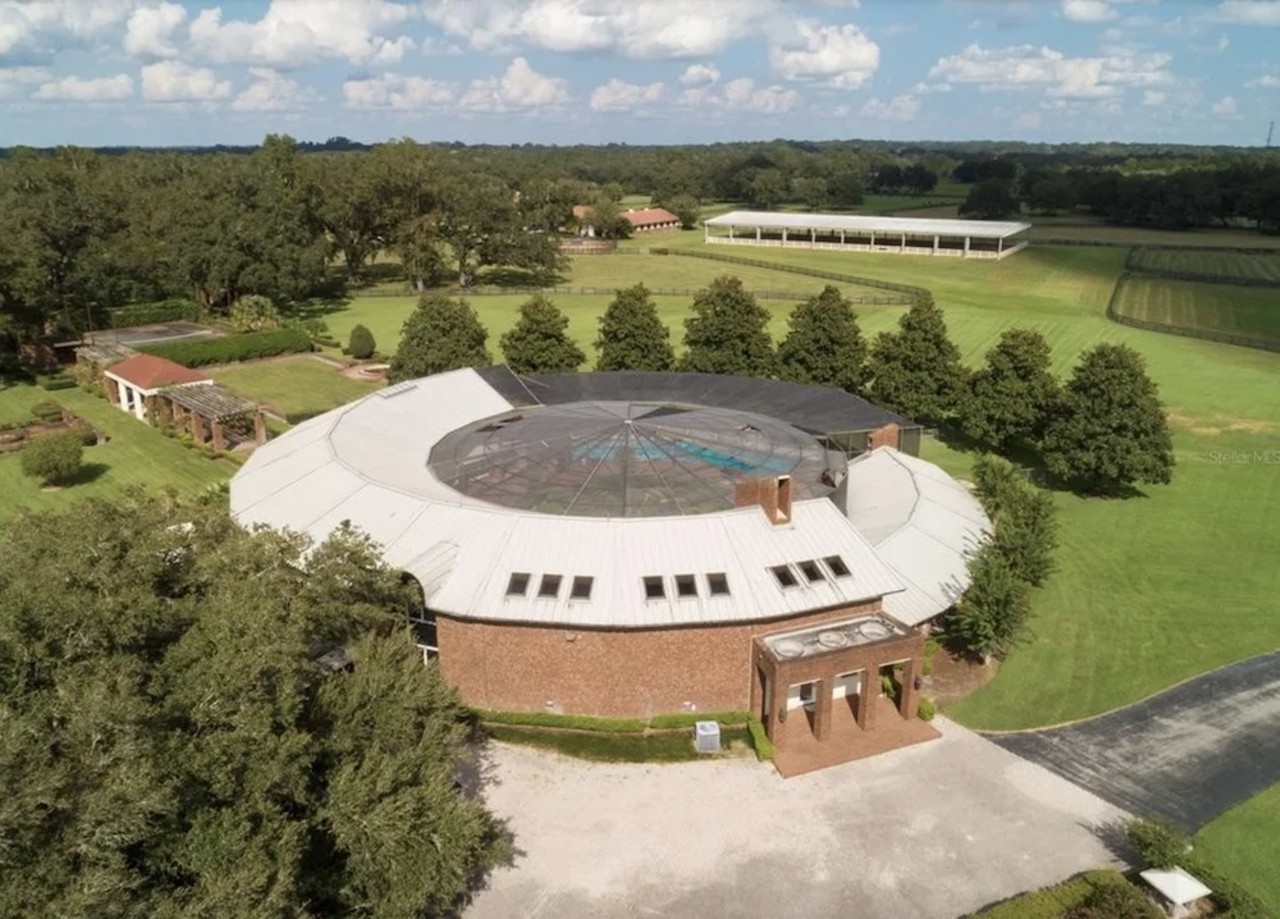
1177, 889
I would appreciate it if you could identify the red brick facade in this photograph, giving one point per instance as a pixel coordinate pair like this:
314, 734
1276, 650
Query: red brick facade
622, 673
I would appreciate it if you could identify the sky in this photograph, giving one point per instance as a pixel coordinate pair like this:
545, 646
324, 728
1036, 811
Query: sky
151, 73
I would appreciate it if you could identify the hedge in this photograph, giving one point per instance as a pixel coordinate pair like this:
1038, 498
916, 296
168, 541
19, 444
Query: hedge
1052, 902
568, 722
55, 382
602, 746
760, 742
149, 313
232, 348
689, 719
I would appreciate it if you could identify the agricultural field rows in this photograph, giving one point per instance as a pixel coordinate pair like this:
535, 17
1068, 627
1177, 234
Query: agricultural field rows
1251, 311
1226, 265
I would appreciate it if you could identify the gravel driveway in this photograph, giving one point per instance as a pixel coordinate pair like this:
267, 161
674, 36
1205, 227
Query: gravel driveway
1187, 754
930, 831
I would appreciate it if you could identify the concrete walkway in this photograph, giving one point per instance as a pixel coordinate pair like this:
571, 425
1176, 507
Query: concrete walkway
1188, 754
930, 831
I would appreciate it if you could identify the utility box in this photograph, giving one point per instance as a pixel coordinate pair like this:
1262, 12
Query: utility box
706, 736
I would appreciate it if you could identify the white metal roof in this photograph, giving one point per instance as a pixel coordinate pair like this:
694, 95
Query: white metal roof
1175, 885
366, 463
921, 226
921, 522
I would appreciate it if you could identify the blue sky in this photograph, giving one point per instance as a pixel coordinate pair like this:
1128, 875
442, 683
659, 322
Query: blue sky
99, 72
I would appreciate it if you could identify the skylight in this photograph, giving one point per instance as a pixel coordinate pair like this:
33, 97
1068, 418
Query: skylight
653, 588
718, 584
812, 571
518, 584
550, 586
581, 588
786, 577
837, 566
686, 585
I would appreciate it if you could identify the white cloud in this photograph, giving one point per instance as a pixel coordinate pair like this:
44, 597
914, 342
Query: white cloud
700, 74
1249, 12
272, 91
899, 108
1087, 11
520, 88
742, 94
394, 91
13, 78
617, 96
837, 55
1025, 66
150, 30
1154, 97
86, 89
630, 28
46, 25
293, 33
174, 81
1266, 81
1027, 121
1225, 107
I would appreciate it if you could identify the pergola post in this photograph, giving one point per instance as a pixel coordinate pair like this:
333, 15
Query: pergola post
113, 390
259, 429
149, 409
197, 429
219, 435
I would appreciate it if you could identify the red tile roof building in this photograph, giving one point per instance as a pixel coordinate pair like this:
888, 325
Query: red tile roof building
148, 372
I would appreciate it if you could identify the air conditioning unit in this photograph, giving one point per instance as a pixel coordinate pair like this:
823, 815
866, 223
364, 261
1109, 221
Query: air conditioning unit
706, 736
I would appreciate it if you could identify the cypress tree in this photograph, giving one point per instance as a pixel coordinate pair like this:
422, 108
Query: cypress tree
824, 345
728, 332
631, 335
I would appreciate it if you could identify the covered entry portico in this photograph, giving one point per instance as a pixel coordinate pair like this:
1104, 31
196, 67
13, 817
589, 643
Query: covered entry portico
818, 691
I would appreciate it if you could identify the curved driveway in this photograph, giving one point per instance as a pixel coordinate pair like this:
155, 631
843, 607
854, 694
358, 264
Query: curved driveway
1188, 754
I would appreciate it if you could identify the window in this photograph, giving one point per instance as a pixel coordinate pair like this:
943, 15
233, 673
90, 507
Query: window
653, 589
812, 571
718, 584
518, 584
686, 586
786, 577
581, 588
837, 566
423, 623
550, 586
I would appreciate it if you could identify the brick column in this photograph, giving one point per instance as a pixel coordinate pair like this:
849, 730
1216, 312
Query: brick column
113, 390
908, 703
822, 709
867, 698
149, 409
197, 429
259, 429
219, 435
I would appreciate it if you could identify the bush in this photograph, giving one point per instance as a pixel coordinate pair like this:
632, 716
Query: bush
1052, 902
254, 313
54, 382
232, 348
47, 411
927, 708
1115, 901
361, 344
1160, 843
160, 311
54, 459
760, 742
88, 436
689, 719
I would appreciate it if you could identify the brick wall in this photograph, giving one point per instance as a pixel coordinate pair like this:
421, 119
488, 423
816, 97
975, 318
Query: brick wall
632, 673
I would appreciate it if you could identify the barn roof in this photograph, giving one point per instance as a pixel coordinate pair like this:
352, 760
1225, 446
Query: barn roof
912, 226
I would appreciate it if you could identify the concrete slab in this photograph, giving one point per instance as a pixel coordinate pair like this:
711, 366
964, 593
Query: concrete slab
930, 831
1188, 754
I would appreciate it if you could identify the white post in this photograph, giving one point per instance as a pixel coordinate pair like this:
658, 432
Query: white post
813, 236
999, 245
903, 246
784, 235
731, 232
873, 239
757, 234
935, 243
706, 233
966, 247
842, 237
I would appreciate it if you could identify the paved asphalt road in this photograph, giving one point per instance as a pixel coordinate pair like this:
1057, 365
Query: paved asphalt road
1187, 754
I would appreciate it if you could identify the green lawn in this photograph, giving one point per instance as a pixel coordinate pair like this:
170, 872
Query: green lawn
1244, 844
296, 385
1246, 265
136, 455
1251, 311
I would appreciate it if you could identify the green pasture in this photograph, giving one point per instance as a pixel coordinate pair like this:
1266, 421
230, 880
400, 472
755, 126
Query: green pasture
136, 454
1196, 305
1085, 229
1248, 266
295, 385
1244, 844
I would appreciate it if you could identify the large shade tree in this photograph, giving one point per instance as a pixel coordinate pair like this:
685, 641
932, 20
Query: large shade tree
1110, 431
824, 344
539, 342
728, 332
916, 369
440, 334
1011, 398
176, 743
632, 336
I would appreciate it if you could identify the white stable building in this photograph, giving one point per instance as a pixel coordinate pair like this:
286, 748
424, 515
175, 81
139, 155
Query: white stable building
990, 239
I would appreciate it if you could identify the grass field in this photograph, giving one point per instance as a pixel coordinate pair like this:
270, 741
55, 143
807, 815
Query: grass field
136, 455
293, 386
1244, 844
1227, 265
1196, 305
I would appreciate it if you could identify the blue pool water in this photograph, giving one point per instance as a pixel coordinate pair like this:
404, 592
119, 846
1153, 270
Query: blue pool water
648, 450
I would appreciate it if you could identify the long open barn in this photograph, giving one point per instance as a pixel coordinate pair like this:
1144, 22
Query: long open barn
895, 235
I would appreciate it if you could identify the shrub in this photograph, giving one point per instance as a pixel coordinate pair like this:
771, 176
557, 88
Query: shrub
689, 719
47, 411
55, 382
927, 708
1052, 902
232, 348
361, 344
1160, 843
54, 459
254, 313
88, 436
160, 311
1115, 901
760, 742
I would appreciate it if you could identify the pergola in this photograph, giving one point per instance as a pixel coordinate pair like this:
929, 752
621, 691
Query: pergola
896, 235
213, 406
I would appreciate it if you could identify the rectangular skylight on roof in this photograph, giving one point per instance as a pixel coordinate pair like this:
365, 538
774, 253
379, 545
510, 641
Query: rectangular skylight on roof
718, 584
518, 584
581, 588
654, 589
837, 566
686, 585
550, 586
811, 571
785, 576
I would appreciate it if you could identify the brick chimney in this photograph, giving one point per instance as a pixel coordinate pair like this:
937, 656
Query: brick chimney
887, 436
773, 496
